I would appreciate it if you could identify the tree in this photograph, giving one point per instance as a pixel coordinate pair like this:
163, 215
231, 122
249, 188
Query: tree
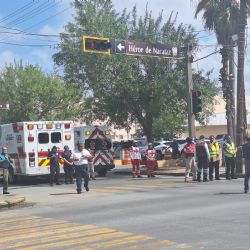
122, 89
34, 95
222, 18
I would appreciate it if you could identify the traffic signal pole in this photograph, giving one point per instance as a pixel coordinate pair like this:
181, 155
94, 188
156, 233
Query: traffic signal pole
191, 118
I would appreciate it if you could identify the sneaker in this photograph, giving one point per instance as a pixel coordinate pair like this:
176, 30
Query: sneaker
58, 183
79, 191
246, 190
217, 179
87, 188
211, 179
152, 175
139, 176
234, 178
6, 192
205, 180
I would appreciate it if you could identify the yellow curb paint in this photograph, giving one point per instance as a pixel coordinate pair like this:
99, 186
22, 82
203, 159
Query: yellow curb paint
15, 201
3, 204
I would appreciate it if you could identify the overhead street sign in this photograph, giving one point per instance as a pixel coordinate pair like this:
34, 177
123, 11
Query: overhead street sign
4, 106
145, 49
120, 47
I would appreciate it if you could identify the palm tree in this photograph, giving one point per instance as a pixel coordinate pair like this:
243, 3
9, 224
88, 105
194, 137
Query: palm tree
221, 16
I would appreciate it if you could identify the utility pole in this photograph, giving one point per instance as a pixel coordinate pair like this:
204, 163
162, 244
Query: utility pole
191, 118
241, 105
232, 88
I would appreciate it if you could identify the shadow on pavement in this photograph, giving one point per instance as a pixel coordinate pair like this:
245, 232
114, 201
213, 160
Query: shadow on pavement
226, 193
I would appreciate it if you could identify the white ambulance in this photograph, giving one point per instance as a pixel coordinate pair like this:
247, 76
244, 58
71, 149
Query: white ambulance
98, 140
28, 145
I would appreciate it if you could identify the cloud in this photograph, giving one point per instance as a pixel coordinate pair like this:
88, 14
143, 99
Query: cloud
8, 57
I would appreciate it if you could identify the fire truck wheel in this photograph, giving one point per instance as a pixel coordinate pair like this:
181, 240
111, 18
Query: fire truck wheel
102, 173
12, 177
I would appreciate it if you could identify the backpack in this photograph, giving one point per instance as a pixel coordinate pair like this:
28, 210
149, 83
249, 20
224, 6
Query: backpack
189, 148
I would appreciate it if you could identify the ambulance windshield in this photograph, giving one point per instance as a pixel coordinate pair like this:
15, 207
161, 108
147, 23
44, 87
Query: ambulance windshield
98, 144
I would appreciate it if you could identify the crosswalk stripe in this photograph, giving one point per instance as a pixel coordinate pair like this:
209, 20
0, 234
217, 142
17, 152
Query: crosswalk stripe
72, 242
118, 242
15, 219
37, 233
36, 228
49, 232
5, 227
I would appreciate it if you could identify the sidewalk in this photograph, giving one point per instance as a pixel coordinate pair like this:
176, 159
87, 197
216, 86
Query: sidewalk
9, 200
164, 168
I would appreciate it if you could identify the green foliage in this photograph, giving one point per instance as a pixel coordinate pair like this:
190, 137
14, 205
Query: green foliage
34, 95
123, 89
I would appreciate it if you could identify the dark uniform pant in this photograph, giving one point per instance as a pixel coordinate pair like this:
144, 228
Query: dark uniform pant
214, 166
5, 179
54, 174
230, 167
68, 173
247, 174
81, 172
202, 165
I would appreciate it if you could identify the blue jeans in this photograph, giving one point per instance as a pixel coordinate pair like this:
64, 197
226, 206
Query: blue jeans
247, 173
81, 172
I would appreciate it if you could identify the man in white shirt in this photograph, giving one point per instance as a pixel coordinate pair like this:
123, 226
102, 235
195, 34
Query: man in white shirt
80, 159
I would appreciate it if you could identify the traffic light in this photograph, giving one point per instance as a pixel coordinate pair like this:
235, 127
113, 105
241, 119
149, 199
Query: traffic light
99, 45
196, 101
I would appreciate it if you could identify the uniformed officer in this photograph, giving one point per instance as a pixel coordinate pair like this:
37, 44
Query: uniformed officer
68, 166
5, 163
150, 160
214, 164
229, 151
246, 156
54, 166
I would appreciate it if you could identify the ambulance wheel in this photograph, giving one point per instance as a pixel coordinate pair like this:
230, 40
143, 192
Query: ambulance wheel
12, 178
102, 173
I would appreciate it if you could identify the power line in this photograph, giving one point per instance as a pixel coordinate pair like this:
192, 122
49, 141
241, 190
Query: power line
215, 52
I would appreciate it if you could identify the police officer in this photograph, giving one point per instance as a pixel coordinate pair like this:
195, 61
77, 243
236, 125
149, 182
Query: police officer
68, 166
229, 151
54, 166
246, 156
5, 163
202, 158
214, 164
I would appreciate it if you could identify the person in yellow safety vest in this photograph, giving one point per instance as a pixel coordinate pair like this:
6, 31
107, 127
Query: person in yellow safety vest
214, 164
229, 151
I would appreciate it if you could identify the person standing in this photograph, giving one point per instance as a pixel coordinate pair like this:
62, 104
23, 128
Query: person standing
5, 164
202, 158
54, 166
229, 151
135, 156
80, 157
150, 160
214, 164
246, 156
91, 165
175, 149
189, 150
68, 166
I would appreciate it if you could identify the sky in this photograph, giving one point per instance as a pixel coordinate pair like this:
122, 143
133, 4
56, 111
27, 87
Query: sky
48, 17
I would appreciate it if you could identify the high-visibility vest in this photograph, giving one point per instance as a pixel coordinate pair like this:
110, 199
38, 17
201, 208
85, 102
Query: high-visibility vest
214, 149
230, 150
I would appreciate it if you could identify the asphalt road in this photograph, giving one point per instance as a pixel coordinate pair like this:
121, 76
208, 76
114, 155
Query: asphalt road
124, 213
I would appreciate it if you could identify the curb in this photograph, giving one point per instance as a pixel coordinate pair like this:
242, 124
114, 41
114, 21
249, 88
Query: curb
13, 202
